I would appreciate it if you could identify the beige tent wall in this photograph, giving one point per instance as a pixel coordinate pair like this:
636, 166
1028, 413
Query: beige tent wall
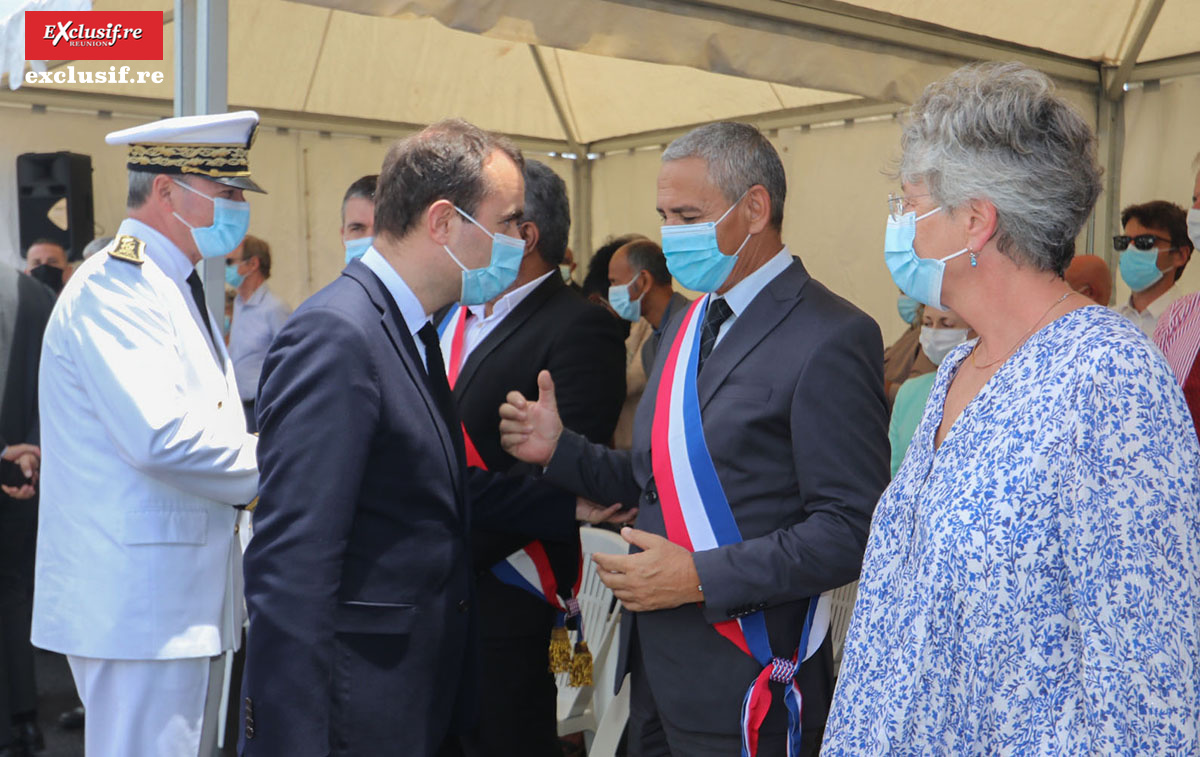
838, 183
1162, 137
305, 175
834, 215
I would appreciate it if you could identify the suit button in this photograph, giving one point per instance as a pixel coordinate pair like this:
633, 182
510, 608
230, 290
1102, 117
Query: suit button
249, 730
651, 496
463, 605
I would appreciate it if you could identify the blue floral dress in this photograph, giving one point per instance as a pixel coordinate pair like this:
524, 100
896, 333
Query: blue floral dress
1032, 587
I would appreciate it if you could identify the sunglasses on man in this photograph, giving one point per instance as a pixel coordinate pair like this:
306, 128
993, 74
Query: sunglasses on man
1143, 242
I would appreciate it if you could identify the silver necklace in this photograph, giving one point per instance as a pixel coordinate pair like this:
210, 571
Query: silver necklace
985, 366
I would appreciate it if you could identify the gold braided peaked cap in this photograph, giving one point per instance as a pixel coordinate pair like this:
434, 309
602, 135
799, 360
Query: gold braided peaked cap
216, 147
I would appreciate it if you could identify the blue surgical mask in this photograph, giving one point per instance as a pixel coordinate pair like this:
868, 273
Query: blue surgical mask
1139, 268
232, 277
907, 307
231, 221
480, 285
693, 256
618, 298
918, 277
356, 248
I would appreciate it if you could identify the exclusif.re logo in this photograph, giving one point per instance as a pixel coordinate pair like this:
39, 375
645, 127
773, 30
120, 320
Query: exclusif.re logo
93, 35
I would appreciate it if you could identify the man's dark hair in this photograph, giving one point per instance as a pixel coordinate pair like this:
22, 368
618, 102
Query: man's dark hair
363, 187
646, 255
253, 247
1163, 216
46, 240
547, 208
441, 162
596, 280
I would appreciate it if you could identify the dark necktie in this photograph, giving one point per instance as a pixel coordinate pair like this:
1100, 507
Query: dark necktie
718, 312
439, 387
198, 295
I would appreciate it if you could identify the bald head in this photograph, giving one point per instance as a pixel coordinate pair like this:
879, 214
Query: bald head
1089, 275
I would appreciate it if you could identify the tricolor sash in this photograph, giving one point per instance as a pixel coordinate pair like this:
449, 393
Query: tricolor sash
528, 568
698, 517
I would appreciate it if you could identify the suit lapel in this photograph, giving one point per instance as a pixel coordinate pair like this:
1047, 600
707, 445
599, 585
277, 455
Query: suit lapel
760, 318
521, 313
392, 320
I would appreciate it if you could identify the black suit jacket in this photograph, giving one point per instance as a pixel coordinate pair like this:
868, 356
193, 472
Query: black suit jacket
795, 419
27, 304
580, 344
359, 580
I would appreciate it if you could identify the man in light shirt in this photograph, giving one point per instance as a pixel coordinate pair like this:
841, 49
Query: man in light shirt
257, 317
1154, 249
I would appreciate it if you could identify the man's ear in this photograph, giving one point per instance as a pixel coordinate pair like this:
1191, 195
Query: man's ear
529, 232
439, 221
758, 208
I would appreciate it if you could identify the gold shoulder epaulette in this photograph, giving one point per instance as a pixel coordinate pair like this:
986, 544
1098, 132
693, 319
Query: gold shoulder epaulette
129, 249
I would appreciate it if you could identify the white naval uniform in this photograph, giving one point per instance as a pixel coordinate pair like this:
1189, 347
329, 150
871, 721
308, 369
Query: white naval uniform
144, 455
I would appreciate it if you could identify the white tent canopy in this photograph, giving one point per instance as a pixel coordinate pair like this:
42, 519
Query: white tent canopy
601, 85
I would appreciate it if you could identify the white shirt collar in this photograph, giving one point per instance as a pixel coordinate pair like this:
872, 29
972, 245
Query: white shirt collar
508, 302
410, 307
744, 292
160, 249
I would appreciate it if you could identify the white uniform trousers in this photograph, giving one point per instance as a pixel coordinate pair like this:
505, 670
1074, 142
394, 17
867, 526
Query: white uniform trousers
149, 708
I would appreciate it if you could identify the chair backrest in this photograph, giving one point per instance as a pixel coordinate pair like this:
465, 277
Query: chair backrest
841, 608
600, 612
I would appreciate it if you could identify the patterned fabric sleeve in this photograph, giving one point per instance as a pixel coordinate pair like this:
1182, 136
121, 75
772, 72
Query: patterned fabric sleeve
1129, 528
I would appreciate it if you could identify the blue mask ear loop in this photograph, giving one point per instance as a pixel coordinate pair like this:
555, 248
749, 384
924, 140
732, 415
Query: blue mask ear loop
727, 212
974, 260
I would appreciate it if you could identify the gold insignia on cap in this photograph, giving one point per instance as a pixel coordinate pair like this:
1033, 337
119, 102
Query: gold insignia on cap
216, 161
128, 248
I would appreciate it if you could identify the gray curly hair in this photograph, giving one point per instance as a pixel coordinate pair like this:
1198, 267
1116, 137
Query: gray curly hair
997, 131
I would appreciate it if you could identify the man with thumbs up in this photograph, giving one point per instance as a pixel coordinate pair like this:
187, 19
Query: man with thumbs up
759, 452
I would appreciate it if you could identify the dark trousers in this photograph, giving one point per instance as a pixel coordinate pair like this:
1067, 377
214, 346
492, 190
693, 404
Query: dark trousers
251, 418
519, 700
652, 735
18, 542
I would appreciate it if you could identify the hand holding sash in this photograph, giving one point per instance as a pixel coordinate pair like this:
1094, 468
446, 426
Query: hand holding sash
661, 576
529, 431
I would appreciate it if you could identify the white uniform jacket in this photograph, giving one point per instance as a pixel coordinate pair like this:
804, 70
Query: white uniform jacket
144, 455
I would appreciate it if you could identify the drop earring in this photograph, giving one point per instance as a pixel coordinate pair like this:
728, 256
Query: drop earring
974, 262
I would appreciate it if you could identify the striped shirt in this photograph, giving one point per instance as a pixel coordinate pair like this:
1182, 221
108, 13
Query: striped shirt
1178, 335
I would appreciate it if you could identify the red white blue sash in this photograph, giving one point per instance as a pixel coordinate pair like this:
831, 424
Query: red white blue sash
698, 517
528, 568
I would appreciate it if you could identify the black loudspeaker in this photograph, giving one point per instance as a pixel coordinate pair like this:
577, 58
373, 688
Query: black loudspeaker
54, 189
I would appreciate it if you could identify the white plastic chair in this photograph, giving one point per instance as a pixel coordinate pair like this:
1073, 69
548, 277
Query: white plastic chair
587, 707
841, 606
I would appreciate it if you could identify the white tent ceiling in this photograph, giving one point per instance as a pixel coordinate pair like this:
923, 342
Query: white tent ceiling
609, 74
581, 77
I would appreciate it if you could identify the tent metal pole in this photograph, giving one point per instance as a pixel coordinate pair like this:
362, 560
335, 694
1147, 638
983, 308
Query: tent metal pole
1116, 84
202, 87
582, 220
1110, 130
581, 171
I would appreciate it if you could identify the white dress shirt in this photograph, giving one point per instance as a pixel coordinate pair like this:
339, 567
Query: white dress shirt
256, 322
411, 308
1148, 318
743, 293
481, 325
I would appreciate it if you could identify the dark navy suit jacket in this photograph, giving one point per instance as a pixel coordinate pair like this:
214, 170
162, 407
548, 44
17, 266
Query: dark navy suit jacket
795, 419
359, 580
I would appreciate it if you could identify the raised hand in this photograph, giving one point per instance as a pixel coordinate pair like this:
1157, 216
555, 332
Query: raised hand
529, 431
